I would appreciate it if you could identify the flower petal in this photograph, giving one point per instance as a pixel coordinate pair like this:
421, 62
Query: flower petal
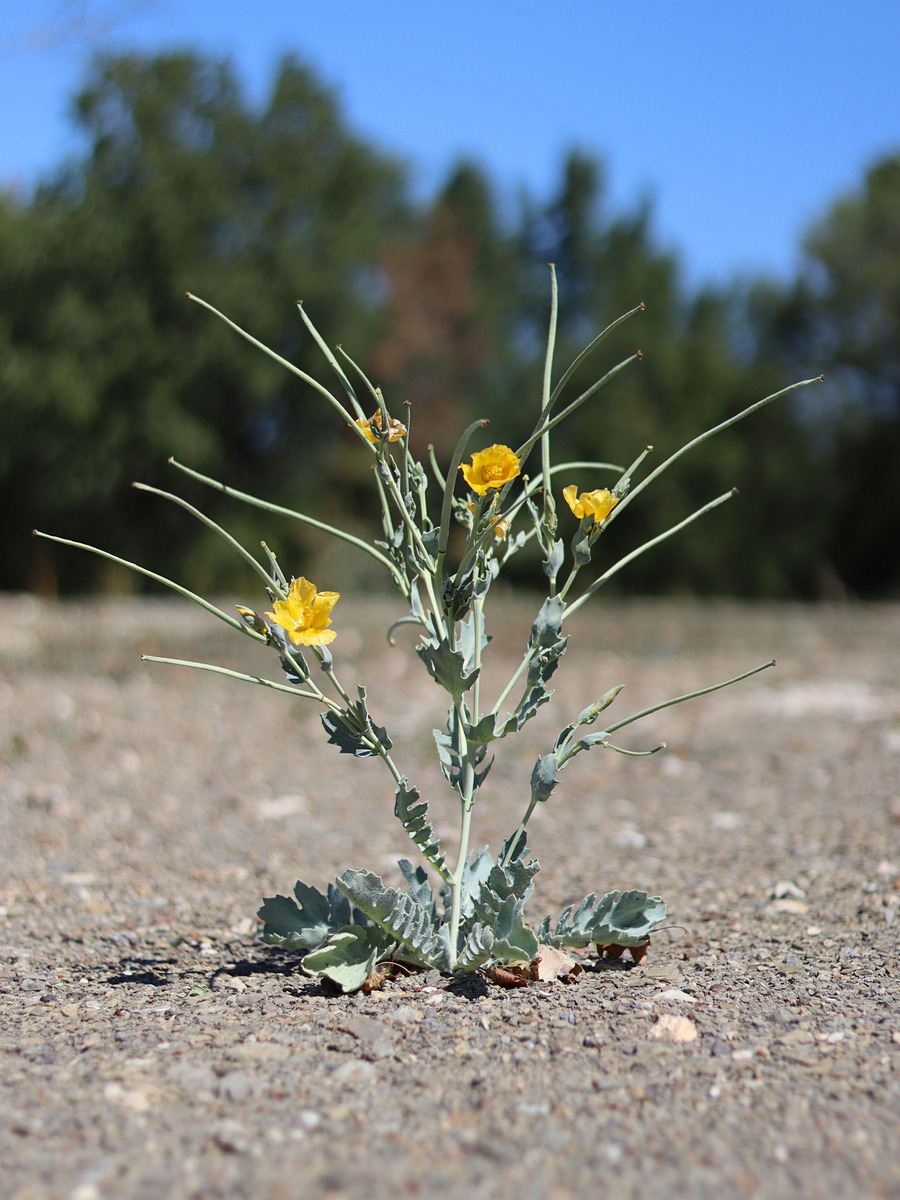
570, 495
490, 468
598, 504
304, 615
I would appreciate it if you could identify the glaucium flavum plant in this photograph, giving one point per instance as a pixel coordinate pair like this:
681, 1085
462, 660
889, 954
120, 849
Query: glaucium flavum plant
460, 911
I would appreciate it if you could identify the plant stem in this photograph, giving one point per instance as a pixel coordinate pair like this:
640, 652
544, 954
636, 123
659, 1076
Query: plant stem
477, 618
549, 519
211, 524
598, 583
394, 492
313, 383
645, 712
268, 683
335, 365
468, 792
437, 612
294, 515
169, 583
636, 491
436, 470
526, 659
465, 828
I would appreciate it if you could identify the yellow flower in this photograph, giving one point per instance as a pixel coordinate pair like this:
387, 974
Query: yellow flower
304, 616
396, 430
597, 504
491, 468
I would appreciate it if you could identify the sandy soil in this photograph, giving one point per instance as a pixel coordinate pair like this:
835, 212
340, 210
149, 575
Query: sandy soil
150, 1047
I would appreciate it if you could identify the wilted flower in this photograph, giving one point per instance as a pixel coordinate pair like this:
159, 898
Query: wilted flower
251, 619
597, 504
490, 468
500, 525
396, 430
304, 616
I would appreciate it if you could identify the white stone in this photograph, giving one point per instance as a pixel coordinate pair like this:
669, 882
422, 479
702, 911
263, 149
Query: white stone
672, 1028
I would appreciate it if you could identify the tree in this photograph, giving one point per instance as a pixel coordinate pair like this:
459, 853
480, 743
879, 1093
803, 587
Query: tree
843, 314
452, 300
691, 377
105, 369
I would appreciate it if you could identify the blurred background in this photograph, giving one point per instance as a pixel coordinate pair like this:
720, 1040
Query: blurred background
408, 171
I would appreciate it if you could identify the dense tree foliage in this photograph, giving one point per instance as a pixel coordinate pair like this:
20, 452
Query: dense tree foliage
689, 379
106, 370
843, 314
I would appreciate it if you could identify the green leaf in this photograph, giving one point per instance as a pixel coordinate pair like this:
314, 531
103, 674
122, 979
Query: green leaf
627, 919
306, 924
515, 847
547, 627
572, 928
456, 596
554, 560
476, 871
349, 956
592, 739
581, 543
546, 647
500, 904
451, 759
412, 813
343, 733
398, 914
284, 925
485, 731
529, 704
543, 778
465, 639
477, 949
292, 661
447, 667
619, 919
352, 728
542, 666
514, 941
418, 886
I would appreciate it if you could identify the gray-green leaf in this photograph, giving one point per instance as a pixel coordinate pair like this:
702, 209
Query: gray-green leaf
306, 923
412, 812
447, 667
398, 914
543, 778
349, 956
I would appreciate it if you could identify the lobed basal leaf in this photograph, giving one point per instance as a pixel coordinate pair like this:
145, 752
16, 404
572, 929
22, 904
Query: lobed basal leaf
514, 941
411, 924
418, 887
477, 950
475, 872
618, 919
626, 918
349, 956
306, 923
500, 904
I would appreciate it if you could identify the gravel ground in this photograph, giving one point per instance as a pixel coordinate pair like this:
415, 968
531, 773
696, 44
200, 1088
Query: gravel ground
150, 1047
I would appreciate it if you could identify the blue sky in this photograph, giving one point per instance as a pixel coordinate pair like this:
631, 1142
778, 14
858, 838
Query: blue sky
742, 121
